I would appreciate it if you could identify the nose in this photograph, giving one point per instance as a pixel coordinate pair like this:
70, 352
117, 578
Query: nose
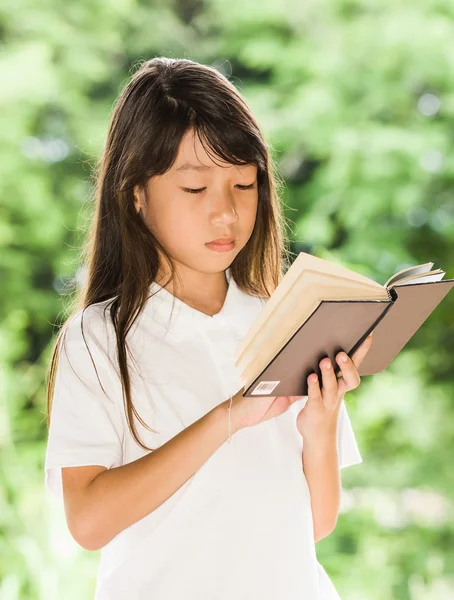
224, 209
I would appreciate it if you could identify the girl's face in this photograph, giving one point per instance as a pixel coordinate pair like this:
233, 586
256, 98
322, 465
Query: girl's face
223, 205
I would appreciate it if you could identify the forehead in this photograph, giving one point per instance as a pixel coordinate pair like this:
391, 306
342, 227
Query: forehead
193, 158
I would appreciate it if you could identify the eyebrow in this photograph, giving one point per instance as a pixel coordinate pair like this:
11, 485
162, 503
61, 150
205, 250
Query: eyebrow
191, 167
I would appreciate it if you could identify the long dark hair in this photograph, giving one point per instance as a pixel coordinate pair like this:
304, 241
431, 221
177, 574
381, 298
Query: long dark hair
164, 99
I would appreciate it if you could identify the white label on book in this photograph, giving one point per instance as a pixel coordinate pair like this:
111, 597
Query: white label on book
264, 387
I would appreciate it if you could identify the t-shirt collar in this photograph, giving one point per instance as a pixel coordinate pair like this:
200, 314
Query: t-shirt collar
236, 311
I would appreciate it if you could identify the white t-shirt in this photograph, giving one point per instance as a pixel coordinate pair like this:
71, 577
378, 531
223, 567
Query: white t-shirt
241, 527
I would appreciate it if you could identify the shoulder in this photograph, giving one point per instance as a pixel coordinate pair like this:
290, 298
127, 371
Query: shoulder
87, 354
91, 329
93, 320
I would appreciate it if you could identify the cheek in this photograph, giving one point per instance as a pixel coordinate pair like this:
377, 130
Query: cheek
179, 226
247, 214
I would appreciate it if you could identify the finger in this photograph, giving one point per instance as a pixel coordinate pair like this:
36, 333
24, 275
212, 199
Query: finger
328, 377
360, 353
349, 372
313, 387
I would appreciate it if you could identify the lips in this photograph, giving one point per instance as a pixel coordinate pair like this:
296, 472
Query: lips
221, 247
222, 241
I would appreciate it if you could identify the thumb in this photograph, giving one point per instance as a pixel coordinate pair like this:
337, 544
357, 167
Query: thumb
360, 354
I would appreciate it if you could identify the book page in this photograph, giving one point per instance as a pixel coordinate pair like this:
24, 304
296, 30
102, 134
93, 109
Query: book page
426, 277
309, 261
303, 262
286, 283
409, 272
294, 309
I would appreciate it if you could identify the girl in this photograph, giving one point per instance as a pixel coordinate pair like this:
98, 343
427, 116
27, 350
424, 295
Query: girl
189, 489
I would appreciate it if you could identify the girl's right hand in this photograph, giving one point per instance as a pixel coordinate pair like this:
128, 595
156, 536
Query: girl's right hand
253, 410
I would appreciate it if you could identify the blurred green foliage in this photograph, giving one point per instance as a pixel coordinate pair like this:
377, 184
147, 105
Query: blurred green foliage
356, 99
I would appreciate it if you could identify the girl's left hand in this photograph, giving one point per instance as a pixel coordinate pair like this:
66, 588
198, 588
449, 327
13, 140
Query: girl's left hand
320, 413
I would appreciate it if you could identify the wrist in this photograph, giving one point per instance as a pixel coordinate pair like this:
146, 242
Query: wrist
323, 438
222, 416
317, 452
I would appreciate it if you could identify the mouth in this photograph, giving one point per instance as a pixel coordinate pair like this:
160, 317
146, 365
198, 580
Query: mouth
221, 246
225, 240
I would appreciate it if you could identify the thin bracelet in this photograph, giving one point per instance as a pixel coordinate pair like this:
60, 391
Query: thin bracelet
229, 439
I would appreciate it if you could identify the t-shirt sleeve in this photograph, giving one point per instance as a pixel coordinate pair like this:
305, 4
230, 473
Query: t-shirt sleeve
347, 446
86, 425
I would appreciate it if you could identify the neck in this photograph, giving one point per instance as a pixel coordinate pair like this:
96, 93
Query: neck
203, 291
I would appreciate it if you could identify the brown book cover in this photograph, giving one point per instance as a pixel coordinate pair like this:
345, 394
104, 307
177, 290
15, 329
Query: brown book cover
337, 325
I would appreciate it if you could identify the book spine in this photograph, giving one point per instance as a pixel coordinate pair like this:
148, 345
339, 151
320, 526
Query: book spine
392, 294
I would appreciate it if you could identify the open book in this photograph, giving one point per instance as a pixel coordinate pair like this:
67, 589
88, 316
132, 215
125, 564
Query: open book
320, 308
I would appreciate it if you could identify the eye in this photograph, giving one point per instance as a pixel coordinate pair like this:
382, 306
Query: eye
199, 190
246, 187
193, 191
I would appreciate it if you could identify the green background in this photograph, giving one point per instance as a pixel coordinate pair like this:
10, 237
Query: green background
356, 99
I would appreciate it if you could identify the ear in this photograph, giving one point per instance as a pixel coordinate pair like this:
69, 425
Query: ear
138, 198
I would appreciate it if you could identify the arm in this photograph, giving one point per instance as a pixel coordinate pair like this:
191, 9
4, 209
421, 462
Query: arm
119, 497
321, 468
318, 424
